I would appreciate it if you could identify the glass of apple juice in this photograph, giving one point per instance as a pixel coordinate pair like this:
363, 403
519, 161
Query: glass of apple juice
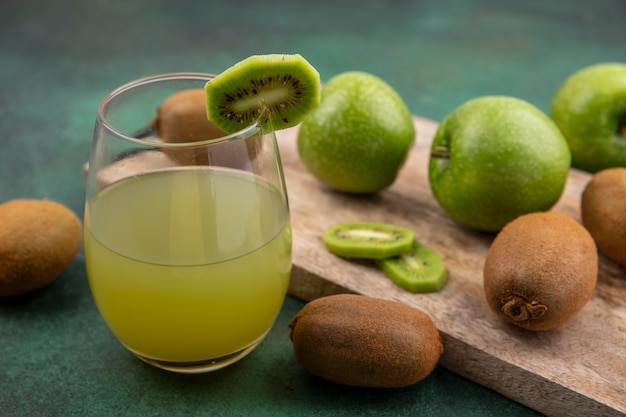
187, 230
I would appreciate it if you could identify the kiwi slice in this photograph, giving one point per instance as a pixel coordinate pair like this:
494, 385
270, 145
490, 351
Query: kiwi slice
418, 270
286, 85
369, 240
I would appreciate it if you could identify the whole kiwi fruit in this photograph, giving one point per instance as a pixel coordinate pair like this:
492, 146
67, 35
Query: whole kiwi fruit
38, 241
364, 341
540, 270
181, 118
603, 209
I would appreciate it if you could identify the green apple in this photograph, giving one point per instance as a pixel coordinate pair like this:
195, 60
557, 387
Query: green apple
495, 158
358, 138
590, 110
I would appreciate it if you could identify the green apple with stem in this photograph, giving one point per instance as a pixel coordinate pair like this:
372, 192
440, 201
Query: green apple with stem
495, 158
590, 109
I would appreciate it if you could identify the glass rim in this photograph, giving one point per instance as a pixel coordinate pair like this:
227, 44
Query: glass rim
248, 131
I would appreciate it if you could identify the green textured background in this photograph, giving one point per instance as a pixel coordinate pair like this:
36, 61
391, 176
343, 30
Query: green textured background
59, 58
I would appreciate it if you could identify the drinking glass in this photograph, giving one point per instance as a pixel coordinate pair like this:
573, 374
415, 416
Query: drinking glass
187, 242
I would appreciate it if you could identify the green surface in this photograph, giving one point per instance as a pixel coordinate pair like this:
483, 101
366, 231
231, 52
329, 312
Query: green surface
59, 58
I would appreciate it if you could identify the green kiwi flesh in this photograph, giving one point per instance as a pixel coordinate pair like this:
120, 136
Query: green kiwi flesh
419, 270
369, 240
287, 86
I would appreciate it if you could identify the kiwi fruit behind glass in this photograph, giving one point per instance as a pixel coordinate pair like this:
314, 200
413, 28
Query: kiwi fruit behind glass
603, 208
182, 118
540, 270
287, 86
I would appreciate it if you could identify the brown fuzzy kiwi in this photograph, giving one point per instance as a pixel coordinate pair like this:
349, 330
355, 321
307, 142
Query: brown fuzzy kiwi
182, 118
603, 208
38, 241
540, 270
364, 341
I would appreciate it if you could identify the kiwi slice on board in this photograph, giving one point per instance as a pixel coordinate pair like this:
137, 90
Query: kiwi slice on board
368, 240
287, 85
420, 269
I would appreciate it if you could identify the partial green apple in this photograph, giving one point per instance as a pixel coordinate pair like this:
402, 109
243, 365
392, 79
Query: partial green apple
495, 158
590, 110
359, 136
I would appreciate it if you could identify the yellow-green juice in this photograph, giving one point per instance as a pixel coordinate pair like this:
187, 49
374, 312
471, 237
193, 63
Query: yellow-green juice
189, 266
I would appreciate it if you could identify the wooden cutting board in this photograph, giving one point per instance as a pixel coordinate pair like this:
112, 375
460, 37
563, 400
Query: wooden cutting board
576, 370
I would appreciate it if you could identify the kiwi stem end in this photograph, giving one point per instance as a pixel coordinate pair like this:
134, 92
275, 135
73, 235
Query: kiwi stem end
518, 308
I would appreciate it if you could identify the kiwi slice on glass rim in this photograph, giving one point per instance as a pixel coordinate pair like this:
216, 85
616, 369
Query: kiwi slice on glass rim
368, 240
287, 86
420, 269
